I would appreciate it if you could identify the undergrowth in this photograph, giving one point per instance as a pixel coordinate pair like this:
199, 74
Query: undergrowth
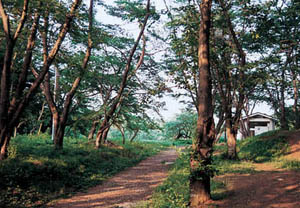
35, 173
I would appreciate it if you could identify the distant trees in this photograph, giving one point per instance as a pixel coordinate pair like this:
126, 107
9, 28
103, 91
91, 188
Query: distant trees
182, 127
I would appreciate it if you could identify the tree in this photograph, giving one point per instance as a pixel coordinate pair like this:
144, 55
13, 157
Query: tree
205, 135
12, 104
126, 74
60, 118
279, 50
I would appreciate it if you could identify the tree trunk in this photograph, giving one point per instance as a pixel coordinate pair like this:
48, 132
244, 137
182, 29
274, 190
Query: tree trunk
100, 132
231, 140
4, 145
283, 121
93, 130
59, 136
295, 105
104, 135
202, 146
134, 135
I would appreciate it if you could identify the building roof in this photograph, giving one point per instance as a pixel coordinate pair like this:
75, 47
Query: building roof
258, 114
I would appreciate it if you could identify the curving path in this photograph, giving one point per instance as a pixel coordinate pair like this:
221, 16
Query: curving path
127, 187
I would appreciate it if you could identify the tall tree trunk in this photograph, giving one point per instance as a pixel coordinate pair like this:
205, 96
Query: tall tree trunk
296, 96
202, 146
283, 121
60, 119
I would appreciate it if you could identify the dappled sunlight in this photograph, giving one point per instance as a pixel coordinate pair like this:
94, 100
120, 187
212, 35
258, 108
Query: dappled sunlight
264, 189
132, 185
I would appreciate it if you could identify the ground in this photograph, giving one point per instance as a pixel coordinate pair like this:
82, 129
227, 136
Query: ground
269, 187
126, 188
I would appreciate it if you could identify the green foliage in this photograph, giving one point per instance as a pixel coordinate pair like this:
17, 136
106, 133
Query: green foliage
174, 192
35, 173
260, 149
182, 127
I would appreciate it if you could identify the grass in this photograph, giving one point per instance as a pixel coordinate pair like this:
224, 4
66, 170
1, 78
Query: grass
35, 173
263, 148
287, 164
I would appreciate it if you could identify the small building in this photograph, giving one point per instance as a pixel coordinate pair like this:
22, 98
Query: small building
258, 123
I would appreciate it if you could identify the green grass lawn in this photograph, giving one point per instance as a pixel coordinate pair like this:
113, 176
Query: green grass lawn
35, 173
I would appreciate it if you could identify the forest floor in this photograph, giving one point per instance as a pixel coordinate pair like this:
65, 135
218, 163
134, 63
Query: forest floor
126, 188
269, 186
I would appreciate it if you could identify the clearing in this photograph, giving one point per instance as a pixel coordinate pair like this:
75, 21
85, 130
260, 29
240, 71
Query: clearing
126, 188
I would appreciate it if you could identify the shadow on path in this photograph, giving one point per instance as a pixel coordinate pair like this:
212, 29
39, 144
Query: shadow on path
127, 187
270, 189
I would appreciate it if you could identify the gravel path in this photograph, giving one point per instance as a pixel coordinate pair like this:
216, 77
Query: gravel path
127, 187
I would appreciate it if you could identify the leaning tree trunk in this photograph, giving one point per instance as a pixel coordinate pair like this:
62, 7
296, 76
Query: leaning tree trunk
202, 147
134, 135
104, 135
125, 77
93, 130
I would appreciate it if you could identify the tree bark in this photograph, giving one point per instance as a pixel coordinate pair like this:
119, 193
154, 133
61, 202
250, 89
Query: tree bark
202, 146
296, 96
104, 135
231, 140
134, 135
93, 130
283, 120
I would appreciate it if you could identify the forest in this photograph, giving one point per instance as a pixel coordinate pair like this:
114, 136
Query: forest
84, 85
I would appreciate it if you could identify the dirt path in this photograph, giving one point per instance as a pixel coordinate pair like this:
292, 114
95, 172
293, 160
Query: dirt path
269, 188
126, 188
